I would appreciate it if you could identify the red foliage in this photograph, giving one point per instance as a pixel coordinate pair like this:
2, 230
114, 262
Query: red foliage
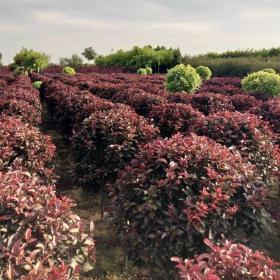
139, 100
248, 134
173, 117
174, 192
244, 102
228, 261
23, 147
41, 238
179, 97
209, 103
20, 109
270, 111
107, 140
70, 105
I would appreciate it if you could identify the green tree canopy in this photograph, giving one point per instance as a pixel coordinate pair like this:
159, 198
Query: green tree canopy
159, 58
31, 60
89, 53
74, 61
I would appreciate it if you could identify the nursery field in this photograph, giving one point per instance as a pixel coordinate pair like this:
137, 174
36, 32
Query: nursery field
116, 176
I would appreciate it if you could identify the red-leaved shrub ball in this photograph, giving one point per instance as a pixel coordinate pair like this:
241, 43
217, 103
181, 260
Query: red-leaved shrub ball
248, 134
22, 146
40, 235
177, 191
107, 140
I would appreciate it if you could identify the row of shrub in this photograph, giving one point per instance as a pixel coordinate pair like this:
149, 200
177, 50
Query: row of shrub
176, 192
105, 136
41, 238
234, 67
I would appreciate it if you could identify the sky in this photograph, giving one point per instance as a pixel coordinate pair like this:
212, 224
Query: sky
63, 27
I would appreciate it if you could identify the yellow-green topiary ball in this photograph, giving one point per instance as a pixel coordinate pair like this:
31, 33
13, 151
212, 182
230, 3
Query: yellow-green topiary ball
69, 71
182, 78
262, 82
142, 71
204, 72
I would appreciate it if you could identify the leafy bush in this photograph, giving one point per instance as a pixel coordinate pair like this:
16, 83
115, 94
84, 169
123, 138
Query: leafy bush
244, 102
37, 84
179, 97
249, 135
142, 71
23, 146
40, 235
31, 60
107, 140
270, 111
69, 71
204, 72
269, 70
173, 193
149, 70
20, 109
209, 103
182, 78
21, 71
262, 82
171, 118
30, 96
140, 100
228, 261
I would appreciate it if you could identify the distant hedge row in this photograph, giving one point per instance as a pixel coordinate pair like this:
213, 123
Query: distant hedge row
235, 66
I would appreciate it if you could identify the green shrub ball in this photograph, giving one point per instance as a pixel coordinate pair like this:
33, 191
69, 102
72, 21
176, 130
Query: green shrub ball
69, 71
149, 70
262, 82
204, 72
269, 70
37, 84
182, 78
142, 71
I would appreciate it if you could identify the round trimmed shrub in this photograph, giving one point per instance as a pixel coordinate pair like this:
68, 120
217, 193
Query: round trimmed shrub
262, 82
149, 70
41, 238
142, 71
172, 118
244, 102
247, 133
20, 109
22, 146
269, 70
31, 97
69, 71
140, 100
177, 191
270, 111
107, 140
209, 103
228, 261
204, 72
182, 78
37, 84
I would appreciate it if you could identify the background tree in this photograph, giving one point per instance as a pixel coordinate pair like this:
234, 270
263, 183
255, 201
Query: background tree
89, 53
0, 59
160, 58
74, 61
31, 60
